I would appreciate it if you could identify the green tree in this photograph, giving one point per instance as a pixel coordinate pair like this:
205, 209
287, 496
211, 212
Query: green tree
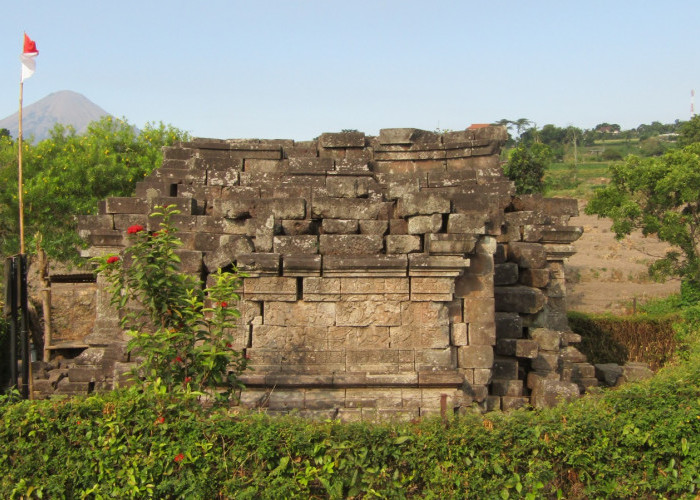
4, 133
68, 174
689, 132
526, 167
659, 196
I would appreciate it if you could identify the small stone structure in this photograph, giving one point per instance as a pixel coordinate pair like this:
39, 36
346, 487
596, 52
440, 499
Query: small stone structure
389, 276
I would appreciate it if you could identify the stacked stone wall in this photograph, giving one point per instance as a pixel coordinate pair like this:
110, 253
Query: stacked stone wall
396, 275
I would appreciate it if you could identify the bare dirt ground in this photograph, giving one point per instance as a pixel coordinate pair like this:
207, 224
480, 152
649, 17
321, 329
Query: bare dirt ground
607, 275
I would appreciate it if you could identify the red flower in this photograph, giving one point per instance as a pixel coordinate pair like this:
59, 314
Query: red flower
112, 259
229, 345
224, 304
136, 228
178, 359
188, 379
179, 457
160, 420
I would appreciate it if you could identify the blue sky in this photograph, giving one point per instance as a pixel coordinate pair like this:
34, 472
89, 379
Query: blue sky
295, 69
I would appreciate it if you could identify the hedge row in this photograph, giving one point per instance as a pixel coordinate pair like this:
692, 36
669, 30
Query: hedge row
619, 339
640, 441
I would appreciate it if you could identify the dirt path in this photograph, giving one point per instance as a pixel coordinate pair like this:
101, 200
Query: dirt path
606, 275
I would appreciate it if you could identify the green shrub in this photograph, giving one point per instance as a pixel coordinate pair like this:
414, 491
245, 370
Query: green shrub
639, 441
619, 339
182, 331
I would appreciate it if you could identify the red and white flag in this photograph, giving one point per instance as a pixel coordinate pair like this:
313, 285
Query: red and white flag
28, 54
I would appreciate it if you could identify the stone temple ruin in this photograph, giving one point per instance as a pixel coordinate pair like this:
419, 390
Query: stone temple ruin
396, 275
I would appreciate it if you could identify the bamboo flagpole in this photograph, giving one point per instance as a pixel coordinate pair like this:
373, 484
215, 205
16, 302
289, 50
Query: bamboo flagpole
29, 52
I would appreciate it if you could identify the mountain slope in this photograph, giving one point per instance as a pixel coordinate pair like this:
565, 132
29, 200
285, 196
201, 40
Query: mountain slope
65, 106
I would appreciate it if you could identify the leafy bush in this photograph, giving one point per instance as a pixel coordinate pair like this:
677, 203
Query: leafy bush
611, 155
526, 167
614, 339
640, 441
68, 174
182, 331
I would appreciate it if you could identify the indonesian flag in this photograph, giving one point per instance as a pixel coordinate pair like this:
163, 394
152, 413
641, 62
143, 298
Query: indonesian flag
28, 54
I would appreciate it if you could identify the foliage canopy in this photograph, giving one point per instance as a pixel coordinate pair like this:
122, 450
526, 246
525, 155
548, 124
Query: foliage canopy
526, 167
659, 196
68, 174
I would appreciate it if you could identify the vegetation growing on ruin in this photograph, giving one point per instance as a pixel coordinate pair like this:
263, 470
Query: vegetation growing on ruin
183, 331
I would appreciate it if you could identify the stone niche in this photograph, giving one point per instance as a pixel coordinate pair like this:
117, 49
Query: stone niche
390, 276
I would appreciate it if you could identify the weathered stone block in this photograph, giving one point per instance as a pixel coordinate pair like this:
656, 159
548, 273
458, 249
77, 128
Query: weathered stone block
450, 244
505, 274
427, 337
342, 140
259, 264
480, 356
301, 265
341, 186
538, 278
505, 368
527, 255
360, 266
545, 362
270, 288
388, 136
608, 373
478, 310
458, 335
572, 355
233, 208
339, 226
506, 387
435, 359
436, 265
338, 208
419, 314
520, 299
520, 348
299, 313
298, 244
122, 205
434, 289
228, 252
402, 243
350, 244
421, 224
548, 393
398, 226
281, 208
365, 313
508, 325
422, 204
297, 227
469, 223
379, 227
226, 176
482, 332
547, 339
